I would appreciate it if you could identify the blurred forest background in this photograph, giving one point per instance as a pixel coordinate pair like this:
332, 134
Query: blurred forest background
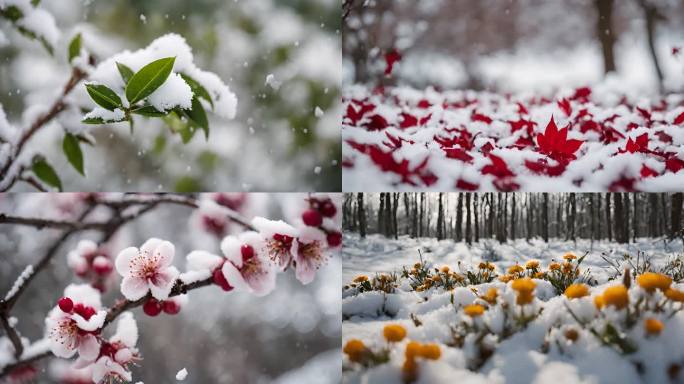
469, 217
515, 45
276, 142
289, 336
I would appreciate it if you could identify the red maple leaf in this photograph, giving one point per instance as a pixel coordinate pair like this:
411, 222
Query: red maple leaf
407, 120
497, 168
522, 110
564, 105
664, 137
623, 184
424, 104
391, 58
357, 109
647, 172
542, 167
679, 119
458, 154
466, 186
480, 117
676, 51
582, 94
640, 145
674, 164
376, 123
555, 144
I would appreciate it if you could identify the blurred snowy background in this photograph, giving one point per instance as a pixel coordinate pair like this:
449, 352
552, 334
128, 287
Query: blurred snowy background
289, 336
286, 134
516, 45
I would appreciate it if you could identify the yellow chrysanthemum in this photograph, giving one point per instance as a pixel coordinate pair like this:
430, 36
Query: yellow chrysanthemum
653, 326
430, 351
675, 295
568, 267
360, 278
355, 349
505, 278
416, 265
445, 269
436, 278
515, 269
598, 301
394, 333
575, 291
539, 275
473, 310
491, 295
490, 266
651, 281
569, 256
532, 264
616, 296
482, 266
524, 287
413, 349
554, 266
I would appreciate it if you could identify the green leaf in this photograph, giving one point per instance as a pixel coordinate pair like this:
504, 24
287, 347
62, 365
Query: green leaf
11, 13
46, 173
103, 96
149, 111
35, 3
187, 184
198, 117
197, 89
148, 79
72, 150
126, 72
75, 47
99, 120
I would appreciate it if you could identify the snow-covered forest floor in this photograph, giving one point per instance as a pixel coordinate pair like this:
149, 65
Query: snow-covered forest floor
493, 331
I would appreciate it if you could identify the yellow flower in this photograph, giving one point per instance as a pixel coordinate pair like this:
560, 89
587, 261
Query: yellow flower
524, 287
430, 351
554, 266
413, 349
651, 281
473, 310
532, 264
598, 301
569, 256
539, 275
575, 291
505, 278
490, 266
355, 349
568, 267
485, 274
515, 269
482, 266
436, 278
616, 296
491, 295
675, 295
394, 333
653, 326
445, 269
360, 279
416, 265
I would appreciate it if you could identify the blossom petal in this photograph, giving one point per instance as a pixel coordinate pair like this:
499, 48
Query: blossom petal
126, 330
88, 347
200, 260
234, 277
150, 245
164, 252
230, 246
305, 271
95, 322
263, 282
134, 288
64, 345
123, 260
163, 283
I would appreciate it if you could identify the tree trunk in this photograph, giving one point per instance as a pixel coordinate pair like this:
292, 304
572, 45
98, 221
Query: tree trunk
407, 212
545, 218
362, 215
468, 229
652, 16
676, 215
619, 218
512, 233
459, 218
440, 217
476, 207
605, 33
422, 214
381, 215
609, 224
395, 228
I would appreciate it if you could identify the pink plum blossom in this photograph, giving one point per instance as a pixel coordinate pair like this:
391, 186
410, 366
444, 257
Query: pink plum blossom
279, 236
248, 267
148, 269
73, 325
309, 253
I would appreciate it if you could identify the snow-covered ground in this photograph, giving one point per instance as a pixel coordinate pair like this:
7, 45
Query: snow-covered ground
538, 342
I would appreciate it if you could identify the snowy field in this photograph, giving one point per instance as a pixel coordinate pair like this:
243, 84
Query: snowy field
482, 335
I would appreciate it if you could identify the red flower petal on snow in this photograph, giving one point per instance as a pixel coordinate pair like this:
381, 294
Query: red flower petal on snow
391, 58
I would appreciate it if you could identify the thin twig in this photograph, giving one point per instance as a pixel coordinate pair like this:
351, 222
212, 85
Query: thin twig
57, 107
13, 335
47, 223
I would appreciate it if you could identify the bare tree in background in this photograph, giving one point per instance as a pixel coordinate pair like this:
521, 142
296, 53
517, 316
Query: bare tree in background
605, 33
